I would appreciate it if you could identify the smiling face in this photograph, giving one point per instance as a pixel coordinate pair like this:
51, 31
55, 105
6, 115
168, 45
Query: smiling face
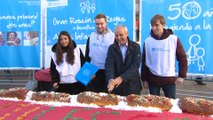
157, 28
100, 25
158, 23
64, 40
121, 35
11, 36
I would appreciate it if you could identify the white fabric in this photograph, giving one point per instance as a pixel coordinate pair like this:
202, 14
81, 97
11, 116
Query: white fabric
161, 55
67, 72
99, 45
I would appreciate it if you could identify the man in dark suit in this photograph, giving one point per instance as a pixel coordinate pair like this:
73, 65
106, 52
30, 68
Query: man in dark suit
122, 64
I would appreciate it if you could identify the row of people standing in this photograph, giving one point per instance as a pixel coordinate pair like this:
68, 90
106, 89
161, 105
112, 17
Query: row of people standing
119, 59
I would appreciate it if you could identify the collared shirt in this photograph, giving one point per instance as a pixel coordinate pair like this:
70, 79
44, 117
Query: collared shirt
123, 49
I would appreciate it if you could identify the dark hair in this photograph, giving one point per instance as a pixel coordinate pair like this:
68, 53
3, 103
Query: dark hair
69, 49
156, 18
12, 32
98, 16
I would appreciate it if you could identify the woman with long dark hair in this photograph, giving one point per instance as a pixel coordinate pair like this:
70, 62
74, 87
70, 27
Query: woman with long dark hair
66, 61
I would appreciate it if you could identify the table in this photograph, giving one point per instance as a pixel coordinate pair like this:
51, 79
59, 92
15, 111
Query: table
21, 110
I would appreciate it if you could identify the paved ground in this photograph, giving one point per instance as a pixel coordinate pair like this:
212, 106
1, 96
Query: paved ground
191, 88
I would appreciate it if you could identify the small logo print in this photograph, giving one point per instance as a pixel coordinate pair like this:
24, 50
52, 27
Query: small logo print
86, 72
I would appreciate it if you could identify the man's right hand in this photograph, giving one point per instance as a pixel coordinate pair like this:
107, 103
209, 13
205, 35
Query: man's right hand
110, 86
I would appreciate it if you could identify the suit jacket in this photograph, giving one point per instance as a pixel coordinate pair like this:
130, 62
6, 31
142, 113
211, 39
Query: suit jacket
128, 70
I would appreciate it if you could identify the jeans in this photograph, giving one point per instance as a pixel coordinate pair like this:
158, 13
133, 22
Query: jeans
169, 90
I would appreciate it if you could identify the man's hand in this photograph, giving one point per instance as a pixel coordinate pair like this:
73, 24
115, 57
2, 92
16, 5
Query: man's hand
179, 81
114, 83
117, 81
110, 86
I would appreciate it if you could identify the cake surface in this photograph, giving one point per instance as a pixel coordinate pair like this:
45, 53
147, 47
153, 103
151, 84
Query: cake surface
100, 99
162, 103
197, 106
51, 96
19, 93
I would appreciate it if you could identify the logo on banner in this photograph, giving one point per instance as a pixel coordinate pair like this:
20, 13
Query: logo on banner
87, 6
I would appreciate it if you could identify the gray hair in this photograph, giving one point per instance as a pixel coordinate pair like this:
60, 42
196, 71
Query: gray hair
121, 26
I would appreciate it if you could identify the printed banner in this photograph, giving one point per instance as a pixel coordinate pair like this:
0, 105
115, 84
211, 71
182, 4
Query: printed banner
77, 17
192, 22
20, 34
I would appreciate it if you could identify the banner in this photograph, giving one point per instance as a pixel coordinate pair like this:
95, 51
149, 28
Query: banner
77, 17
192, 22
20, 34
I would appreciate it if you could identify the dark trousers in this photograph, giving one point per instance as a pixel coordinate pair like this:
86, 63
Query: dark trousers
98, 84
169, 90
44, 86
72, 88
